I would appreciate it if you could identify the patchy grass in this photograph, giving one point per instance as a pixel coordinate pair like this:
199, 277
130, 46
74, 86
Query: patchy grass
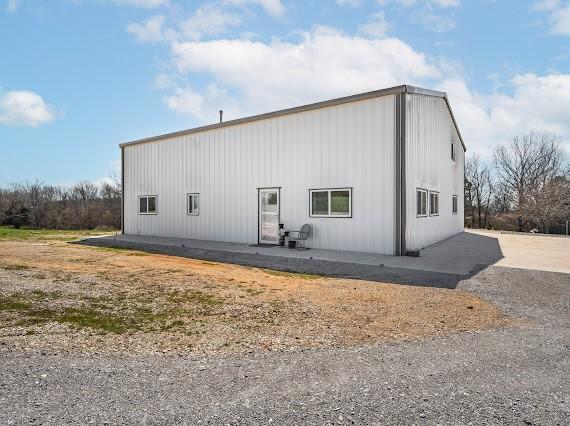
110, 314
292, 274
14, 267
125, 250
72, 297
9, 233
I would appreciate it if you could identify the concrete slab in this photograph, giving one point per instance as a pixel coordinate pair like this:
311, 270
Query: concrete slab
531, 251
443, 264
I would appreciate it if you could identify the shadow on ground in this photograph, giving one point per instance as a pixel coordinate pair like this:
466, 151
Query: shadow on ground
475, 251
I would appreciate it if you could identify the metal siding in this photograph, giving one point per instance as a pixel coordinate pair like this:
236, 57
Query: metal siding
348, 145
429, 130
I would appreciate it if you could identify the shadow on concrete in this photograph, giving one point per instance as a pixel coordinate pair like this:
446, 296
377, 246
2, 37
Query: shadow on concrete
482, 251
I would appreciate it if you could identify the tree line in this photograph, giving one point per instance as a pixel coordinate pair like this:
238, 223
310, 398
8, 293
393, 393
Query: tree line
84, 205
525, 186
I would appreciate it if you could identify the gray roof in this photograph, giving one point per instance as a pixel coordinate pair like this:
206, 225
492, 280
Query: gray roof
309, 107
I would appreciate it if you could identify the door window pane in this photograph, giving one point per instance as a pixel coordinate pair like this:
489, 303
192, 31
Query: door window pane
340, 202
320, 202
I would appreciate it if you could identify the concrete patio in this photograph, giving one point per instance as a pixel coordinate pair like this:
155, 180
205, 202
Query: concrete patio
442, 265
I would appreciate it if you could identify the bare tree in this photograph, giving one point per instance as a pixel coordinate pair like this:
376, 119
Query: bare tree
480, 189
549, 204
85, 205
525, 166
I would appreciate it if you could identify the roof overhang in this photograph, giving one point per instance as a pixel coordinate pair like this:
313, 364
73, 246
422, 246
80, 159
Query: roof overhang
309, 107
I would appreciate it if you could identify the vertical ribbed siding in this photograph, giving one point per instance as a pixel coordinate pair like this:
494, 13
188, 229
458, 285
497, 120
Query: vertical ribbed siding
349, 145
429, 131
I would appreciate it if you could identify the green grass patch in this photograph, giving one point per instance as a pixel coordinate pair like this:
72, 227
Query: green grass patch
125, 250
15, 267
108, 314
291, 274
9, 233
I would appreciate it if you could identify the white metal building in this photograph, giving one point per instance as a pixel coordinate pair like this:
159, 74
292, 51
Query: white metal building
379, 172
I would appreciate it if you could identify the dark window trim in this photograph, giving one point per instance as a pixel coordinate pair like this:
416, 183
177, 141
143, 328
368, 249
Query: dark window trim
427, 202
188, 204
155, 204
455, 197
342, 188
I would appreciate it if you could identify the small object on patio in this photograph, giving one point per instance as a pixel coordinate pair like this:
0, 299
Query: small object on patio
300, 237
413, 253
282, 234
291, 243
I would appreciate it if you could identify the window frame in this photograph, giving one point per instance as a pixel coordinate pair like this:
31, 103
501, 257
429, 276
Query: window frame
188, 197
155, 204
430, 203
453, 150
454, 204
426, 192
329, 191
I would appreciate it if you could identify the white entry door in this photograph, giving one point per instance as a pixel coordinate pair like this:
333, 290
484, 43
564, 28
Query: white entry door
269, 216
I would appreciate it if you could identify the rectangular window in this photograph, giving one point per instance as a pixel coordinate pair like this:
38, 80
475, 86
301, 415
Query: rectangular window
194, 204
453, 150
454, 204
147, 204
433, 203
330, 202
421, 202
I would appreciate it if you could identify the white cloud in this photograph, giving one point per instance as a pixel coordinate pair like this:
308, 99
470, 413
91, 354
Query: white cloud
349, 3
447, 3
323, 64
272, 7
529, 103
434, 22
12, 5
147, 4
561, 21
376, 27
149, 31
24, 108
410, 3
208, 20
559, 15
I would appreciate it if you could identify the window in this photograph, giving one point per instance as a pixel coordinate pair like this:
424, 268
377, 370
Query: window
433, 203
453, 150
454, 204
421, 202
147, 204
193, 204
330, 202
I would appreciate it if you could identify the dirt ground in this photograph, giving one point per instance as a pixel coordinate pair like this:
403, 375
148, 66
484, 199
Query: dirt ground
60, 297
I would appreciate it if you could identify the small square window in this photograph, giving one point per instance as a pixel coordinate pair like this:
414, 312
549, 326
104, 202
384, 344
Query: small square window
454, 204
194, 204
433, 203
421, 202
147, 204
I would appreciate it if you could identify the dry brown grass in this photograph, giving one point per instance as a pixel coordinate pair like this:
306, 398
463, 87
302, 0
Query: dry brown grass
63, 297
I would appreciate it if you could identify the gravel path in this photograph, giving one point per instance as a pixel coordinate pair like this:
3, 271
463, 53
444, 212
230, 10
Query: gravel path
515, 375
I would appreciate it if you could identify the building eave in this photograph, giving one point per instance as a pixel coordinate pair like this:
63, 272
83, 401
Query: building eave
303, 108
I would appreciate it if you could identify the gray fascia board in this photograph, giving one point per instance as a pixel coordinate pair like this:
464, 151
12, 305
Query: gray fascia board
333, 102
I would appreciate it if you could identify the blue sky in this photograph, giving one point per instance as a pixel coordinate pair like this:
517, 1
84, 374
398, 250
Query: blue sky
78, 77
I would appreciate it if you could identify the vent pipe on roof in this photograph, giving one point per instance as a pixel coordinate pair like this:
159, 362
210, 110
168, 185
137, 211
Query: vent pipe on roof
221, 115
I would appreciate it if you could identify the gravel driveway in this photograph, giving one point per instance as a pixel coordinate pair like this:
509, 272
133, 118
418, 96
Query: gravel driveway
515, 375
